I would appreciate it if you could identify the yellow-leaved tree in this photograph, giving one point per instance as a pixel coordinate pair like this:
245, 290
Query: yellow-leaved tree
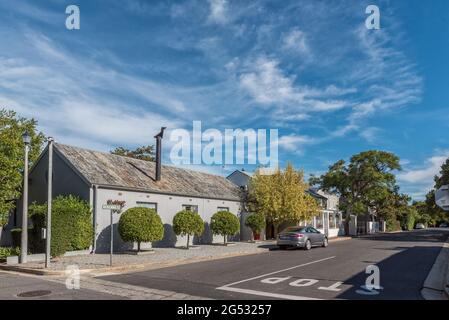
281, 197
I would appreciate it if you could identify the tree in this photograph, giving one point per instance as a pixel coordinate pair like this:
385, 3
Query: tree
142, 153
282, 197
12, 128
140, 225
187, 223
435, 214
256, 222
365, 182
225, 223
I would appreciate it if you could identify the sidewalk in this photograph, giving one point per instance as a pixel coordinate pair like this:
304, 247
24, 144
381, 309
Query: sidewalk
122, 262
436, 285
162, 257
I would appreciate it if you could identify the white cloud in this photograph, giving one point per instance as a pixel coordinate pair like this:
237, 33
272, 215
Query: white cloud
370, 134
426, 173
417, 181
295, 41
218, 11
62, 94
266, 83
294, 142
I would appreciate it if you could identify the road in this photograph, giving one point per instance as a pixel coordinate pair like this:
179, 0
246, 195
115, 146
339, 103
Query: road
13, 285
337, 272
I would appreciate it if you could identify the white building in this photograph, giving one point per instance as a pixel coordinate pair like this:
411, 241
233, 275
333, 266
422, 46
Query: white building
98, 177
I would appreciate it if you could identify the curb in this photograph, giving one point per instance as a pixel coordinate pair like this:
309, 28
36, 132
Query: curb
436, 285
140, 266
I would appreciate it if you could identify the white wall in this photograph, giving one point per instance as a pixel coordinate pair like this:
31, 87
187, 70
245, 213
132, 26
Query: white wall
167, 207
332, 200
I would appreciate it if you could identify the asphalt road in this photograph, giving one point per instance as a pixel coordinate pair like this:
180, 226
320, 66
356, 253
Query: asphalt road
13, 285
337, 272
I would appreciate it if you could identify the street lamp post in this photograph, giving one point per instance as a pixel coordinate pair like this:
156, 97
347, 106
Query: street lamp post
24, 236
49, 202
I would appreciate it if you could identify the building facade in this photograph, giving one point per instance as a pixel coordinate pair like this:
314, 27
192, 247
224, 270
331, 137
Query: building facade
97, 177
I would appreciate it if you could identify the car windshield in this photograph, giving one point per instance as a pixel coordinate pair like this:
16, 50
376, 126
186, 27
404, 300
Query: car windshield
294, 229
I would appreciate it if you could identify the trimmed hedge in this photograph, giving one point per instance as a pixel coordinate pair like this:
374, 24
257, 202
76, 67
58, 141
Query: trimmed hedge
140, 225
256, 222
71, 226
225, 223
188, 223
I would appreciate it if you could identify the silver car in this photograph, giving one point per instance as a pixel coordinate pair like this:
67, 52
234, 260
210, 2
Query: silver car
301, 237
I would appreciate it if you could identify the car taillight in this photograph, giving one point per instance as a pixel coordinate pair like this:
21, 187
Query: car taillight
298, 235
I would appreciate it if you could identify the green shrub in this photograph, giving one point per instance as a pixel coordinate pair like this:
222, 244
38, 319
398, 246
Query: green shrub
256, 222
71, 227
7, 252
140, 225
410, 222
393, 225
224, 223
188, 223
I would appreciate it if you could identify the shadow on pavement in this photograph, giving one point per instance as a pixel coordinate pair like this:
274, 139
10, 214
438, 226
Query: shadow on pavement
401, 275
432, 235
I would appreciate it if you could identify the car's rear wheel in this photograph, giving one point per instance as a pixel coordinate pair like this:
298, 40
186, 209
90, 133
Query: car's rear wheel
308, 245
325, 242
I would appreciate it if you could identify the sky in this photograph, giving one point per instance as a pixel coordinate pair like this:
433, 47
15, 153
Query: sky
309, 68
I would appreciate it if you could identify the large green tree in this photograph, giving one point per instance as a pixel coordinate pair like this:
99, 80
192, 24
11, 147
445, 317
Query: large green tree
428, 207
281, 197
142, 153
367, 181
12, 128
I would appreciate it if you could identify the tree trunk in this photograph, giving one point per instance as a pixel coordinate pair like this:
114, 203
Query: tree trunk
188, 240
138, 246
275, 230
224, 237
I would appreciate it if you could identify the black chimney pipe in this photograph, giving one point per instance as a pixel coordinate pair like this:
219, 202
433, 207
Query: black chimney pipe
159, 137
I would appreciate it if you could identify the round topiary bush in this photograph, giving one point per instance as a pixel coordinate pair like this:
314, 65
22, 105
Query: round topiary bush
224, 223
140, 225
256, 222
187, 223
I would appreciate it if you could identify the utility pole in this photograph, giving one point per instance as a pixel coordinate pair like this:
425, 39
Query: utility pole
26, 138
49, 202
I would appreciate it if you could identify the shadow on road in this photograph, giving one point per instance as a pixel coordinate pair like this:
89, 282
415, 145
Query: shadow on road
401, 275
429, 235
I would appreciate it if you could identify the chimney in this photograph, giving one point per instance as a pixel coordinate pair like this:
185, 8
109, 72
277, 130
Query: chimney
159, 137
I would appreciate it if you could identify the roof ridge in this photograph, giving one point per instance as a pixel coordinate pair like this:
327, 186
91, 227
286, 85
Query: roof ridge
138, 160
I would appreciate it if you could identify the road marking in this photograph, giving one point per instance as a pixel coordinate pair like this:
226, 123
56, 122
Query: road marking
275, 272
333, 287
267, 294
228, 287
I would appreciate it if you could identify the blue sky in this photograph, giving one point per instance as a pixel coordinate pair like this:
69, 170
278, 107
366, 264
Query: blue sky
308, 68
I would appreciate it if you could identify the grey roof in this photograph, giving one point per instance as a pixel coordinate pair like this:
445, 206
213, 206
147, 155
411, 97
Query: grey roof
239, 171
122, 172
314, 193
